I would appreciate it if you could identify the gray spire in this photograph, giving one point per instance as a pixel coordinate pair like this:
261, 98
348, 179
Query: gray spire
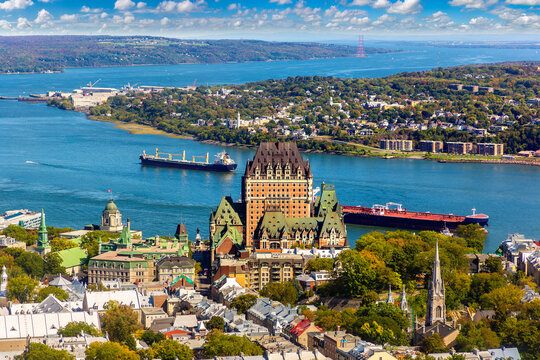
403, 305
390, 299
436, 307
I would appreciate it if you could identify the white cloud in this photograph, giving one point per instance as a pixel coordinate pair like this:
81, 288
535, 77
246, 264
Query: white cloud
4, 24
165, 21
15, 4
43, 16
45, 1
123, 4
384, 19
180, 6
86, 9
405, 7
473, 4
23, 23
281, 2
103, 15
141, 5
68, 17
524, 2
381, 4
479, 21
232, 6
360, 2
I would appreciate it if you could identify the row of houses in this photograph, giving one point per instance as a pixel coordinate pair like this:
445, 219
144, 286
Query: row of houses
451, 147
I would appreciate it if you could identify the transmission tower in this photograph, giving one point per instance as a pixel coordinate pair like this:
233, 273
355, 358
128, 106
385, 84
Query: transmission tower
360, 52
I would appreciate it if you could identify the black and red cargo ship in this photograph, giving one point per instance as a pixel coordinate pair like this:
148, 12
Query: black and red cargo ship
394, 215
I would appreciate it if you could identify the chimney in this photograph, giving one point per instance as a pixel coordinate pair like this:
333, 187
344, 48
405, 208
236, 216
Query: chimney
128, 225
338, 327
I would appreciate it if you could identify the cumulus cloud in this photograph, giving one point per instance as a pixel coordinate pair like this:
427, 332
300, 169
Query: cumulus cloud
385, 18
123, 4
4, 24
473, 4
15, 4
524, 2
23, 23
103, 15
360, 2
405, 7
68, 17
180, 6
165, 21
381, 4
86, 9
141, 5
281, 2
232, 6
43, 16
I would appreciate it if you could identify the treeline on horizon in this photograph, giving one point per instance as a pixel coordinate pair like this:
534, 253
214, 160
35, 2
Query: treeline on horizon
177, 111
55, 53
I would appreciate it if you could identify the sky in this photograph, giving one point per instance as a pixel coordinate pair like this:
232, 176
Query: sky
294, 20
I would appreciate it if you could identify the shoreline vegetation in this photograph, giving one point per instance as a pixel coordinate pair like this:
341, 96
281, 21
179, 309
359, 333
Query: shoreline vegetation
49, 54
347, 116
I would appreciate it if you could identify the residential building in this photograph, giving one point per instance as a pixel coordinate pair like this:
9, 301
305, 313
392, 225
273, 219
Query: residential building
490, 149
149, 314
75, 345
458, 147
515, 247
299, 332
274, 343
9, 242
431, 146
265, 268
332, 344
96, 300
272, 314
533, 266
402, 145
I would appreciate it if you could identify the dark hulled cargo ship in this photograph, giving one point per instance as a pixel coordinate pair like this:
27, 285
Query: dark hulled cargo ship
397, 217
222, 163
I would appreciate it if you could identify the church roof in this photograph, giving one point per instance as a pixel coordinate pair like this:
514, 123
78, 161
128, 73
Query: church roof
60, 281
274, 154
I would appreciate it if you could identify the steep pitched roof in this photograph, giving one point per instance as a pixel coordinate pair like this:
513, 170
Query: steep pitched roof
227, 212
332, 220
281, 153
274, 224
327, 201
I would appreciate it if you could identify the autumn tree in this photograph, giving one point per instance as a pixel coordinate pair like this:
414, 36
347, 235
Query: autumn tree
76, 328
219, 344
60, 294
171, 350
38, 351
119, 322
243, 302
110, 351
21, 288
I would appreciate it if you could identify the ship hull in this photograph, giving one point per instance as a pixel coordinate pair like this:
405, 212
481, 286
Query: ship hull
412, 222
187, 165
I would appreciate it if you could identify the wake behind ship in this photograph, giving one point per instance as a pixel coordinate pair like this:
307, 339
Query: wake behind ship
222, 163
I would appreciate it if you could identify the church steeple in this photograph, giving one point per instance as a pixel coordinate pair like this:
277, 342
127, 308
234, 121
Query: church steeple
390, 298
436, 307
404, 306
43, 236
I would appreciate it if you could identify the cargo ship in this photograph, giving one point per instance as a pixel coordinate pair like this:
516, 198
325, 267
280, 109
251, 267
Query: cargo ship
222, 163
395, 216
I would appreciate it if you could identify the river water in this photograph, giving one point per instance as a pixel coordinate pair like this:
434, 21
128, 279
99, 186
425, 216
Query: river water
65, 163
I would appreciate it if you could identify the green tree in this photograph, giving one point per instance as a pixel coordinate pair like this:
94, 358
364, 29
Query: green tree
375, 333
285, 293
474, 234
110, 351
90, 240
242, 303
494, 264
58, 244
60, 294
432, 344
319, 264
38, 351
17, 232
171, 350
503, 300
219, 344
216, 322
52, 264
21, 288
150, 337
75, 328
119, 322
31, 263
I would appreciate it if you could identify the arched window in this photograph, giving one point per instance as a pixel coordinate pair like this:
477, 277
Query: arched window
274, 245
438, 312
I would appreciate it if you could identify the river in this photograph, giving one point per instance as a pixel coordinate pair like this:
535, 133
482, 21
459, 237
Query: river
65, 163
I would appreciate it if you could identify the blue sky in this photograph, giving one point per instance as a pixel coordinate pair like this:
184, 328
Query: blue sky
277, 19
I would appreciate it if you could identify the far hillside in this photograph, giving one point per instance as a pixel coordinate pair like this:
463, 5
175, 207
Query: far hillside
55, 53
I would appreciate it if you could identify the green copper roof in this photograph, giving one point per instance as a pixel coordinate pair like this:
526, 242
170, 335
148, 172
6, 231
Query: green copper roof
179, 277
226, 231
327, 201
273, 224
111, 206
72, 257
226, 213
125, 237
43, 237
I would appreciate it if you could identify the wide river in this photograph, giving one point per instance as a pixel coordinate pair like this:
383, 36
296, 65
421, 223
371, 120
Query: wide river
65, 163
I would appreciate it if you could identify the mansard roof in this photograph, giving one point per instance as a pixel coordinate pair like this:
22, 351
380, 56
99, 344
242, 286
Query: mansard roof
327, 201
274, 154
228, 212
332, 220
226, 231
273, 223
